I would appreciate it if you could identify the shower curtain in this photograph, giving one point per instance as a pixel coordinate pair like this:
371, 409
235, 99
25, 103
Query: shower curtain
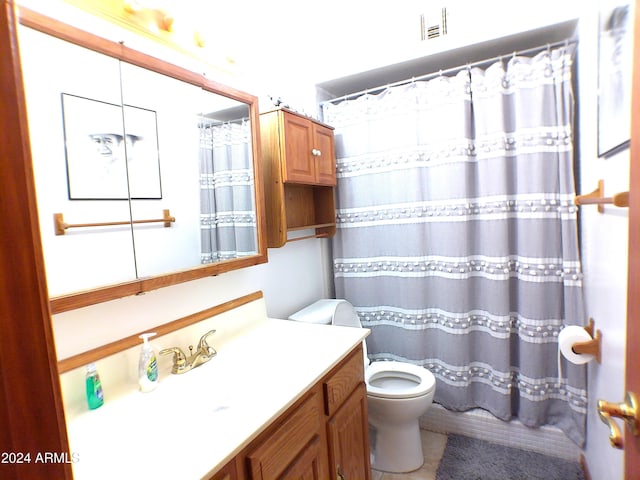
457, 239
227, 205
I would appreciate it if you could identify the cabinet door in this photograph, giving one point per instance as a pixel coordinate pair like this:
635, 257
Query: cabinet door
308, 465
348, 432
299, 160
325, 157
296, 445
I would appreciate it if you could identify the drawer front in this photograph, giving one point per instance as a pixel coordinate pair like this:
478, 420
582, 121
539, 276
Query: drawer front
284, 444
339, 385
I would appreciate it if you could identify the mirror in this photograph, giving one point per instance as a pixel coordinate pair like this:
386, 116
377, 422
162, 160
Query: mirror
146, 174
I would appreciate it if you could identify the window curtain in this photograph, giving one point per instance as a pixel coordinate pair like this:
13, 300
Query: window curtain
227, 204
457, 234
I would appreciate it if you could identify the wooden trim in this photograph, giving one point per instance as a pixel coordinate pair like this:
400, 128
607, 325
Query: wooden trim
273, 190
31, 407
63, 303
632, 444
112, 348
86, 298
42, 23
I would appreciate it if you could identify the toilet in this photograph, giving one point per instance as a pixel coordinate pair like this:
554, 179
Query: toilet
398, 394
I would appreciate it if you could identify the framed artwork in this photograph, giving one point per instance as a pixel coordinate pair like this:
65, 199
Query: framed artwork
615, 58
111, 150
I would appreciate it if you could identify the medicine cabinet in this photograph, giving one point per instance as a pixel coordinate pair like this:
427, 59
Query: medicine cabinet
146, 174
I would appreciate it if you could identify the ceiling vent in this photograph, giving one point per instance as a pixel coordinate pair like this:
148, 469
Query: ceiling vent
433, 23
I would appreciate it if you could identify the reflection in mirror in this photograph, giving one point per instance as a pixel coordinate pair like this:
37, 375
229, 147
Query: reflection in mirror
227, 194
160, 250
67, 106
162, 159
207, 174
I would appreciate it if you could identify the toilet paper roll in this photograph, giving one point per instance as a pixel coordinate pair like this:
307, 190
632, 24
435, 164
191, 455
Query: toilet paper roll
567, 337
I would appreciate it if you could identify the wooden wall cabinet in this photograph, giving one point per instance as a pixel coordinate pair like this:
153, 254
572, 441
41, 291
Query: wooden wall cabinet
299, 168
324, 435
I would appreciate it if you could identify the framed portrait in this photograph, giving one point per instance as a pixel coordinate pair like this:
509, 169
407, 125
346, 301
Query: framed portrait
111, 150
615, 57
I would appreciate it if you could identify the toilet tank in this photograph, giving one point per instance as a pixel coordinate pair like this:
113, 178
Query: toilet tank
329, 311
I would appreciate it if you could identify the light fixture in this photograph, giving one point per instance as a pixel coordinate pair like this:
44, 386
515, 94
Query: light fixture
156, 18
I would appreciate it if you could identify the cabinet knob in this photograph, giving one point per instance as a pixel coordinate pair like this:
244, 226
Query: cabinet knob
315, 152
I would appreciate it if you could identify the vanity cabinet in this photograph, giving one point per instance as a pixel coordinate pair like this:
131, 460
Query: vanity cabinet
324, 435
299, 167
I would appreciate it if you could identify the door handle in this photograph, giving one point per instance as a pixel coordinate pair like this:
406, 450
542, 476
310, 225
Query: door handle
629, 411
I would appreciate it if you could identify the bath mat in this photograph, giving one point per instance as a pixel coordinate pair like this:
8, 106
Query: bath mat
468, 458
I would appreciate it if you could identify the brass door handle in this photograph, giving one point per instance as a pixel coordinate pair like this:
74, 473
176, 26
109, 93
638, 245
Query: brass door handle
629, 411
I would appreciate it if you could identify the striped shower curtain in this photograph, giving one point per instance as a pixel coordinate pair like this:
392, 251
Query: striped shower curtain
227, 201
457, 237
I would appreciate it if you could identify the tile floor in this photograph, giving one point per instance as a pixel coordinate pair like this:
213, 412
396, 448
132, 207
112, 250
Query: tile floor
433, 447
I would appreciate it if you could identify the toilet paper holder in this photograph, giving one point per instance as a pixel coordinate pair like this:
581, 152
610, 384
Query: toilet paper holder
591, 346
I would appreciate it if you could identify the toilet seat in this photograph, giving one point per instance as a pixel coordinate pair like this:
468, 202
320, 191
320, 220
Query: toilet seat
398, 380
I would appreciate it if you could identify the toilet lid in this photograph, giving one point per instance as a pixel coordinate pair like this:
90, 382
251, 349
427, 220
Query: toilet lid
398, 380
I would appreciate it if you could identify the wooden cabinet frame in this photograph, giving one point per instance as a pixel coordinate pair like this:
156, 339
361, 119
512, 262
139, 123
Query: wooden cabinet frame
299, 185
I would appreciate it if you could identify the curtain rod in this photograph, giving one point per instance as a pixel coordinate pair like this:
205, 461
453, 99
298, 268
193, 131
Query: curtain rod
448, 71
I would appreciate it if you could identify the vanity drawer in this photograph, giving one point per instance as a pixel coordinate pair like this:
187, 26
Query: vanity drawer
343, 380
291, 442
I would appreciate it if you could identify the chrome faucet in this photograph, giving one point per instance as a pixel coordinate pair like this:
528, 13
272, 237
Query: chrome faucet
182, 363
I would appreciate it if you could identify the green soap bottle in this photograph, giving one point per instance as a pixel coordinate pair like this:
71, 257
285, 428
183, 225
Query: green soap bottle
95, 397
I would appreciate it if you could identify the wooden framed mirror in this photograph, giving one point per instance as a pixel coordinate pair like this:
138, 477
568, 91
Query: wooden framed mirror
147, 174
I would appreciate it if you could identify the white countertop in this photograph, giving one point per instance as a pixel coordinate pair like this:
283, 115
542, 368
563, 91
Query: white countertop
194, 423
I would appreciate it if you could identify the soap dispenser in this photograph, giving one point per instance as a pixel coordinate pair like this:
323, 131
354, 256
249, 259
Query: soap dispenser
147, 365
93, 385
